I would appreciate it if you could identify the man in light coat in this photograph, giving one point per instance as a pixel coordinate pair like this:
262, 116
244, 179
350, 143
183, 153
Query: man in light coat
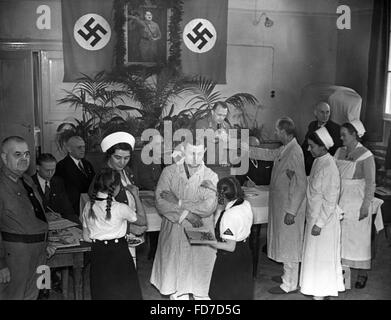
179, 268
286, 204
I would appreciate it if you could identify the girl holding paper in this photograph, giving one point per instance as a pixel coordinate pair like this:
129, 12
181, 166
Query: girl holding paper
232, 273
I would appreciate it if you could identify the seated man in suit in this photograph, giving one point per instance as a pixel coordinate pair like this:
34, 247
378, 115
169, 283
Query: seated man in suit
52, 189
76, 172
54, 198
322, 115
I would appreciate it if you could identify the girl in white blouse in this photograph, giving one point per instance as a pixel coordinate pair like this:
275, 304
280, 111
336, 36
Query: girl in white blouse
232, 273
113, 274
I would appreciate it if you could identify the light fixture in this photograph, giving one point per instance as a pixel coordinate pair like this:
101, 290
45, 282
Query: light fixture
268, 22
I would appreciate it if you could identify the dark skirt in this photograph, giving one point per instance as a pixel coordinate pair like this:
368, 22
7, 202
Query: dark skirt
113, 274
232, 274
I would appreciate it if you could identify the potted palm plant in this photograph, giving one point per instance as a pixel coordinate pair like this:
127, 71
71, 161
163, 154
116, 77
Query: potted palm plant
99, 101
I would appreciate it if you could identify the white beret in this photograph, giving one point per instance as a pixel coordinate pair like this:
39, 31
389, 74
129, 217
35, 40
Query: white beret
324, 135
357, 124
117, 137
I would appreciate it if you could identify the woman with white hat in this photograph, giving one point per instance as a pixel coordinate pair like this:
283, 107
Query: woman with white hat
118, 147
321, 270
356, 165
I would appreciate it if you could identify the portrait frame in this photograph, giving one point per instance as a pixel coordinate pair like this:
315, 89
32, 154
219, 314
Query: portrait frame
168, 15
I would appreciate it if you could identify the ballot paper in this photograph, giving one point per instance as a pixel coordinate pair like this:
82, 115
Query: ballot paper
200, 236
64, 238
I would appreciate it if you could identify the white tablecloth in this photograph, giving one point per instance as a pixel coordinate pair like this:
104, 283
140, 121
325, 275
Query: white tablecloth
259, 200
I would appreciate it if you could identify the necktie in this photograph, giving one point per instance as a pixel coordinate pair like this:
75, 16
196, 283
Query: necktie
80, 166
47, 193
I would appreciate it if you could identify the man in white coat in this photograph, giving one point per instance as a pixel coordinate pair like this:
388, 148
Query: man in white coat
179, 268
286, 204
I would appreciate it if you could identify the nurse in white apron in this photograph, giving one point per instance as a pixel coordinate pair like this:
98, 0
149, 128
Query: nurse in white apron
356, 165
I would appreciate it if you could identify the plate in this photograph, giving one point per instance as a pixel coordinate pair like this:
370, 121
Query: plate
134, 242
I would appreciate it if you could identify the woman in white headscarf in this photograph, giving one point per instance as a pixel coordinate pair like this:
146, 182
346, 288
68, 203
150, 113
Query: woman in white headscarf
118, 147
356, 165
321, 270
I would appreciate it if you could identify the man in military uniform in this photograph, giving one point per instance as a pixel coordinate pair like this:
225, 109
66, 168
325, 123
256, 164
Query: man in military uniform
23, 225
218, 123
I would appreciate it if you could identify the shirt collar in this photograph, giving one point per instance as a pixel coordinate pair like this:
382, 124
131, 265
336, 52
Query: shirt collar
76, 161
42, 181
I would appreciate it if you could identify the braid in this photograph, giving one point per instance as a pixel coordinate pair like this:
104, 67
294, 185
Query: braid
109, 201
91, 214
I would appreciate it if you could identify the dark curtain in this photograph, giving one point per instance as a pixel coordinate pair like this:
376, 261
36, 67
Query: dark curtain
377, 70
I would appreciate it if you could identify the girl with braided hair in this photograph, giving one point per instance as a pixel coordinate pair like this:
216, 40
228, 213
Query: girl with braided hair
232, 273
113, 274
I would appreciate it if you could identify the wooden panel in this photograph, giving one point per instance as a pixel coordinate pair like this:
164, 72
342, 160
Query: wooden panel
53, 114
16, 97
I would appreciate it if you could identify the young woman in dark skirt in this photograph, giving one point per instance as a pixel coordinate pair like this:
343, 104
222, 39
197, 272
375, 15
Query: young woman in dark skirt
232, 273
113, 274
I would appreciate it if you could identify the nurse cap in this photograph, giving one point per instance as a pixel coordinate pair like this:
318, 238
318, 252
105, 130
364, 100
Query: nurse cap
357, 124
117, 137
324, 135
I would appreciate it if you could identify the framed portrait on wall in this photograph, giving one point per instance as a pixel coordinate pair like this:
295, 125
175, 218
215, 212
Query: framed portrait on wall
145, 35
148, 34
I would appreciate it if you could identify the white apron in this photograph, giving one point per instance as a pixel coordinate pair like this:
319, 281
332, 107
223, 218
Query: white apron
356, 235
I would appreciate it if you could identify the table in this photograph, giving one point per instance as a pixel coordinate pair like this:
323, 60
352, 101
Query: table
73, 257
259, 200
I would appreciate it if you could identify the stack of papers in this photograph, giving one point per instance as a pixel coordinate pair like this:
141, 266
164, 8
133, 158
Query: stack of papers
200, 236
60, 224
65, 238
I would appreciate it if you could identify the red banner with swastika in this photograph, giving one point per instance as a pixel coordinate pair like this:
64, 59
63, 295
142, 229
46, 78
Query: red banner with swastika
88, 37
204, 47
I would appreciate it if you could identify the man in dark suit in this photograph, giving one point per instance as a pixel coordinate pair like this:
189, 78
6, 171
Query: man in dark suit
52, 189
322, 115
76, 172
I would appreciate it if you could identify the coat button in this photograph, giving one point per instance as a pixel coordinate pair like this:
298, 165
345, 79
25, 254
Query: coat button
105, 242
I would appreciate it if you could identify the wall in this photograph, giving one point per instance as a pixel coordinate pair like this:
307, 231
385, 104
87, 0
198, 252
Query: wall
303, 41
353, 49
302, 47
18, 20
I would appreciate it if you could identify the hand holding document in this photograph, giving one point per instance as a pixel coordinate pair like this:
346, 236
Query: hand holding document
200, 236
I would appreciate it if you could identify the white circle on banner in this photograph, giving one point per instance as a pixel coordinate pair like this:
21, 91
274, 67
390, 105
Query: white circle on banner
92, 32
199, 35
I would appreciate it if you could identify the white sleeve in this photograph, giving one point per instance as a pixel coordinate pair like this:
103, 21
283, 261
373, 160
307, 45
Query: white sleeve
126, 212
86, 210
230, 226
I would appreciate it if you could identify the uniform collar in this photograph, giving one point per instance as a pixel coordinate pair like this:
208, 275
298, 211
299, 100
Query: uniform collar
10, 175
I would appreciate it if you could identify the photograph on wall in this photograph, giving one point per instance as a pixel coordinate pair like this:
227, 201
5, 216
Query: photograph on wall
145, 35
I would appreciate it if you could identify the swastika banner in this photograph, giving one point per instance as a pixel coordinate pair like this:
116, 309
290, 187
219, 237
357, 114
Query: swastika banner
204, 46
87, 32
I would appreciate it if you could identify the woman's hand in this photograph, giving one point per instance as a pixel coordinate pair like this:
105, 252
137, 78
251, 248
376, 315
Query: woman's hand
50, 250
250, 184
316, 230
169, 196
195, 220
364, 211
